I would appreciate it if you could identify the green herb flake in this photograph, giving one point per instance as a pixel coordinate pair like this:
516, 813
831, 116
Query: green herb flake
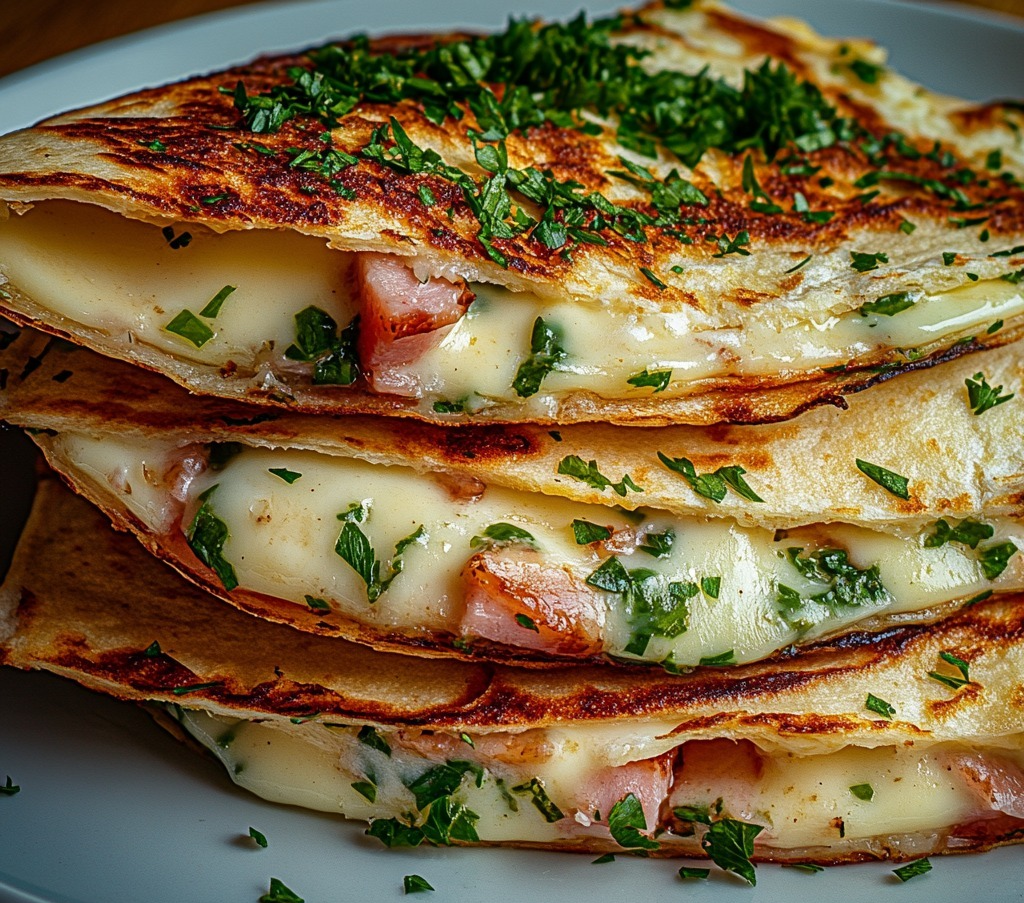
654, 280
426, 195
289, 476
863, 792
366, 789
279, 893
892, 482
656, 379
948, 258
735, 245
317, 604
546, 354
354, 548
214, 305
527, 622
658, 545
626, 823
449, 407
414, 884
888, 305
864, 263
575, 467
879, 706
687, 873
585, 532
374, 740
811, 868
501, 535
468, 740
912, 869
718, 661
994, 559
10, 788
711, 586
907, 227
968, 532
152, 650
730, 844
156, 145
187, 325
258, 837
601, 860
981, 396
206, 536
869, 73
541, 800
195, 688
796, 267
712, 486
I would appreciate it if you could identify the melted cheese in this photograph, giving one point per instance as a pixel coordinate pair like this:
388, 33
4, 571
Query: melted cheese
282, 542
122, 277
801, 801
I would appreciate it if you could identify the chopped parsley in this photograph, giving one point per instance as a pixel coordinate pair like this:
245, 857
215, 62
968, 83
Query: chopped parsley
258, 837
879, 706
602, 859
540, 799
354, 547
289, 476
574, 466
700, 874
546, 353
730, 845
888, 305
414, 884
954, 683
712, 485
658, 545
279, 893
366, 789
527, 622
500, 535
152, 650
968, 532
10, 788
214, 305
719, 661
981, 396
187, 325
863, 792
656, 379
317, 604
994, 559
912, 869
626, 823
845, 586
711, 586
206, 536
374, 740
892, 482
864, 263
585, 532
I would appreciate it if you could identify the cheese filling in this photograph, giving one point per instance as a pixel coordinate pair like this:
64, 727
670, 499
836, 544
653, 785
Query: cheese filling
404, 551
129, 280
540, 786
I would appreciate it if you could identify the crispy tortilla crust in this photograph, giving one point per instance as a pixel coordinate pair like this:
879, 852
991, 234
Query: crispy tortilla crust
920, 426
104, 155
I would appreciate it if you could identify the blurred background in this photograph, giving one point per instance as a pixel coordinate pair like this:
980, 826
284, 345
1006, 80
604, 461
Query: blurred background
39, 29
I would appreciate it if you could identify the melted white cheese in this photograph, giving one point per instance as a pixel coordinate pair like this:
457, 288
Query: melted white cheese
282, 542
122, 278
800, 801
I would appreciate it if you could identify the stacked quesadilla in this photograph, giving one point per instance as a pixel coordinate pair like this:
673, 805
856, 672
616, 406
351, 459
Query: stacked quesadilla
545, 349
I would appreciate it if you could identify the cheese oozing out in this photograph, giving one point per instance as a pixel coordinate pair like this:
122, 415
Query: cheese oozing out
903, 800
310, 529
124, 279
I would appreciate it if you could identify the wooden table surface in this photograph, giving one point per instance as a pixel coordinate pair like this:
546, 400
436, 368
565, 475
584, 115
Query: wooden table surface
34, 30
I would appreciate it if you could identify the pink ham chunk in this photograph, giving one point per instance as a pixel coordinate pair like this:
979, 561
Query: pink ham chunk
514, 597
648, 780
400, 319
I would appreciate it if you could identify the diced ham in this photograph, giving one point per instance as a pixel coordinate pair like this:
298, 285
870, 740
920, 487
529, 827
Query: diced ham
400, 319
558, 611
709, 770
527, 749
998, 783
648, 780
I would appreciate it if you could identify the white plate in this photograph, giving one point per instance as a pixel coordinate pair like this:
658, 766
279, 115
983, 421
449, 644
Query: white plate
111, 809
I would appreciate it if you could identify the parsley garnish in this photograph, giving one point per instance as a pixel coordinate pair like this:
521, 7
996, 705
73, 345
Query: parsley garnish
735, 245
800, 265
152, 650
891, 482
333, 354
626, 822
711, 586
864, 263
954, 683
656, 379
994, 559
206, 536
214, 305
969, 532
546, 353
712, 485
718, 661
187, 325
863, 792
730, 844
888, 305
912, 869
10, 788
353, 546
258, 837
585, 532
289, 476
981, 396
602, 859
685, 872
574, 466
317, 604
414, 884
847, 586
374, 740
527, 622
541, 800
279, 893
501, 534
658, 545
879, 706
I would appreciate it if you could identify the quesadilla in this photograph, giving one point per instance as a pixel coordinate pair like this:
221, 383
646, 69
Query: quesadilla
693, 546
673, 215
894, 746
